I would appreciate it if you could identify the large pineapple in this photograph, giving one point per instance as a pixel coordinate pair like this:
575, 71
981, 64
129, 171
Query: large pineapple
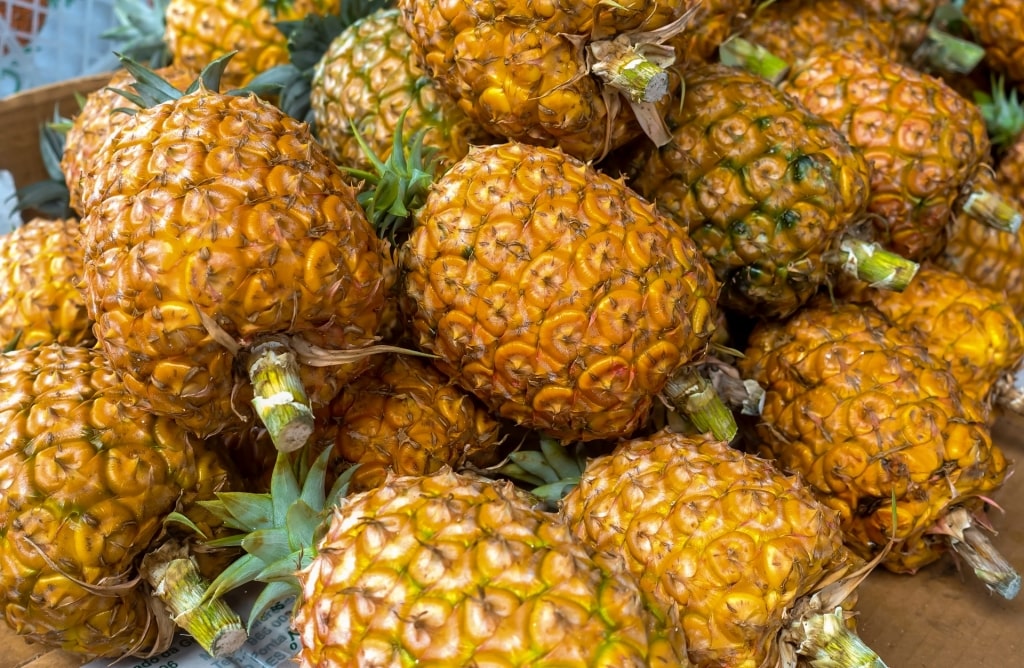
767, 190
88, 480
870, 419
445, 570
739, 548
222, 242
41, 264
585, 75
554, 293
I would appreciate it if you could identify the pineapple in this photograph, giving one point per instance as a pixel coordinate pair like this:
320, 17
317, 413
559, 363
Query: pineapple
405, 417
924, 142
870, 420
585, 76
445, 569
910, 18
221, 241
554, 293
767, 190
88, 480
745, 553
998, 25
366, 82
969, 326
97, 120
41, 263
712, 23
200, 31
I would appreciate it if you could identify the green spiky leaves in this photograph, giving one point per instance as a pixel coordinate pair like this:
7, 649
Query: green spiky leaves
50, 196
277, 530
151, 89
139, 32
1002, 111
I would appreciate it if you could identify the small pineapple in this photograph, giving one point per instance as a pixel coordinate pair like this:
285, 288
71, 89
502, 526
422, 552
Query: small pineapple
910, 18
870, 419
41, 264
998, 25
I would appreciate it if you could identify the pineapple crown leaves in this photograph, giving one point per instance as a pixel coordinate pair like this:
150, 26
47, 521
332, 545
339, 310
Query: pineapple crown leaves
398, 185
139, 31
278, 530
309, 38
549, 473
49, 196
150, 89
1002, 111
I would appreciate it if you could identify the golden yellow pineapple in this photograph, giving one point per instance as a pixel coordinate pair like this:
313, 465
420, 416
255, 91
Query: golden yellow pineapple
405, 417
222, 242
41, 264
367, 81
738, 548
969, 326
713, 22
870, 419
584, 76
998, 25
910, 18
88, 479
554, 293
200, 31
97, 120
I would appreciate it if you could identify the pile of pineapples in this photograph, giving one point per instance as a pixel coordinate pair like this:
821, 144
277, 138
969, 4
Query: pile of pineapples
503, 334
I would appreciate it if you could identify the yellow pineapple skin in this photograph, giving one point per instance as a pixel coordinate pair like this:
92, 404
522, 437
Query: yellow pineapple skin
713, 22
998, 25
554, 293
909, 18
867, 416
520, 69
365, 82
404, 417
41, 264
969, 326
471, 573
766, 201
88, 479
924, 142
200, 31
214, 223
97, 120
797, 29
720, 535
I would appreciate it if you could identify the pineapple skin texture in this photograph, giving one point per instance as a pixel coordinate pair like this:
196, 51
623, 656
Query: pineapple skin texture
554, 293
97, 119
998, 25
511, 67
967, 325
798, 29
88, 479
41, 263
406, 417
924, 142
721, 535
366, 80
221, 209
909, 18
863, 412
453, 570
765, 188
713, 22
200, 31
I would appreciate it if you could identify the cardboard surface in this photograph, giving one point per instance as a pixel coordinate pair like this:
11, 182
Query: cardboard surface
938, 618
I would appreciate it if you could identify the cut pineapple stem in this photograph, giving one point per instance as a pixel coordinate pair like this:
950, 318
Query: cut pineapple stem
876, 266
974, 546
948, 53
695, 397
993, 210
279, 397
754, 58
828, 642
176, 580
630, 71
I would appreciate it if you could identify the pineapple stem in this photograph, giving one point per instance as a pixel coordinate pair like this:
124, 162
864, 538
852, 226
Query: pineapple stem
948, 53
754, 58
279, 397
969, 542
829, 643
876, 266
628, 69
176, 580
695, 397
993, 210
